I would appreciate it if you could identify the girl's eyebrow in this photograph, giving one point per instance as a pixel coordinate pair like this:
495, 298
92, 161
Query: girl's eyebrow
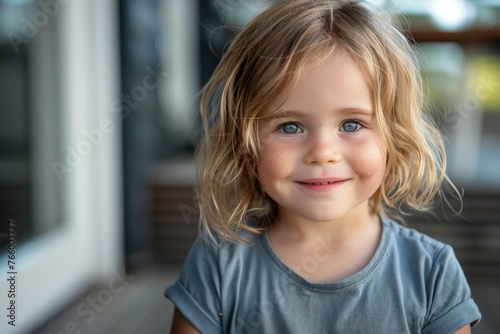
357, 111
285, 113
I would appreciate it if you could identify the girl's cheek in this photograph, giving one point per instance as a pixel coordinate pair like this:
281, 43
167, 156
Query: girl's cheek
371, 161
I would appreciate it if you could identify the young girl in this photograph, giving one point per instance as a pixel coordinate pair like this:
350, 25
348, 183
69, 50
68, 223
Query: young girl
314, 132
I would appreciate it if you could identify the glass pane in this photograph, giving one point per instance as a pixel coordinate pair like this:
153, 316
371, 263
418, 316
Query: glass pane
14, 138
30, 191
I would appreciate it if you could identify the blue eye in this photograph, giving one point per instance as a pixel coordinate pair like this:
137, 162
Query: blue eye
291, 128
351, 126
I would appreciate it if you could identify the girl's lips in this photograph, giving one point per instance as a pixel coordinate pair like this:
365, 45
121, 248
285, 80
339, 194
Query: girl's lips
322, 185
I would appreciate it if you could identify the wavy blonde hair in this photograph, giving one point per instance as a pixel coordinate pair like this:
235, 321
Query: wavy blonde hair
263, 61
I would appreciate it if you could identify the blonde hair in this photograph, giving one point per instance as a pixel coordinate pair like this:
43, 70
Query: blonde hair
264, 60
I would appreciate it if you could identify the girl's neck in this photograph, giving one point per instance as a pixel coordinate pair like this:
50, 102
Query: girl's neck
337, 249
357, 225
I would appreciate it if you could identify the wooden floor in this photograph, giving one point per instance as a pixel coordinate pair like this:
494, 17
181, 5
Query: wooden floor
141, 308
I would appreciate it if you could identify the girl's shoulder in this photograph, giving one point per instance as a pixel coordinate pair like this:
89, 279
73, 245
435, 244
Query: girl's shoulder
218, 249
410, 235
410, 248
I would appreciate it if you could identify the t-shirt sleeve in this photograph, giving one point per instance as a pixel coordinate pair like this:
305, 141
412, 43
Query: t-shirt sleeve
450, 305
197, 292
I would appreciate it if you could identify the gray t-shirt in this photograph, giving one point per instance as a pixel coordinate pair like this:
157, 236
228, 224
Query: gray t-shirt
413, 284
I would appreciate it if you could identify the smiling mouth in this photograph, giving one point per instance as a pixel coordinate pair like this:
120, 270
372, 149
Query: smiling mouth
320, 183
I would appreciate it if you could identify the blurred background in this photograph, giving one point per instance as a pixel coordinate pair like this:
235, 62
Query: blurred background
97, 131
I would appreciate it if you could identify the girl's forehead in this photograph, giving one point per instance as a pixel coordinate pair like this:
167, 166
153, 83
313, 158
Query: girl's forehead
331, 77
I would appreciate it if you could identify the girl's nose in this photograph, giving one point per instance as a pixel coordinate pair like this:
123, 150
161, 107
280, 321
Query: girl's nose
322, 148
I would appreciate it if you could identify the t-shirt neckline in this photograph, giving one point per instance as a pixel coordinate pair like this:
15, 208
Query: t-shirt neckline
342, 284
